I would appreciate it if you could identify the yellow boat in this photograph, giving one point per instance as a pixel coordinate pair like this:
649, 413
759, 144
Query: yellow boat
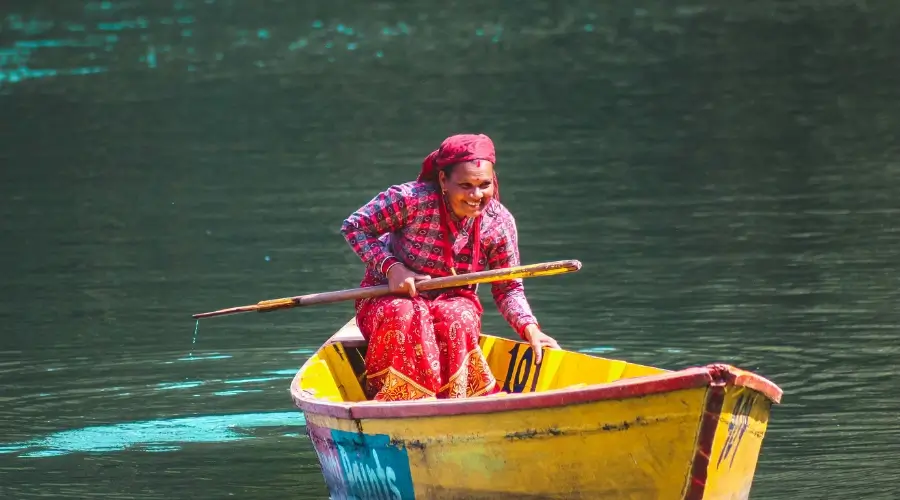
574, 427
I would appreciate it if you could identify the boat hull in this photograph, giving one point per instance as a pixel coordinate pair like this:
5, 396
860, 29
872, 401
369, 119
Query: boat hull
690, 434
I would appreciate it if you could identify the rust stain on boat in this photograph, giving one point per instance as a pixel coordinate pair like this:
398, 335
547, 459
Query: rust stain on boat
624, 426
534, 433
606, 427
414, 444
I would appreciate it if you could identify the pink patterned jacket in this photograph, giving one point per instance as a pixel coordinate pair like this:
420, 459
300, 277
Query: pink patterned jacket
404, 223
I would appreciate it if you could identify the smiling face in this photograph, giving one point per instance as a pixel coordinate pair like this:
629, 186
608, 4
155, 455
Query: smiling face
469, 186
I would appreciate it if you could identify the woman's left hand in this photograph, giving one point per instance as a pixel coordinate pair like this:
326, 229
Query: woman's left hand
539, 340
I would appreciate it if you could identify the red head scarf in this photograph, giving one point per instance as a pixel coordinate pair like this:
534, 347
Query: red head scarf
457, 149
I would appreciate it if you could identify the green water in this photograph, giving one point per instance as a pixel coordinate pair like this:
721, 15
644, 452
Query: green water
727, 175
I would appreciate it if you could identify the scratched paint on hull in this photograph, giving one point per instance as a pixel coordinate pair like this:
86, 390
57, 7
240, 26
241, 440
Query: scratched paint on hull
736, 448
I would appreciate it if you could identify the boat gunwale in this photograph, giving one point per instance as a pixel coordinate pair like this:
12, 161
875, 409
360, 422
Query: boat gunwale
710, 375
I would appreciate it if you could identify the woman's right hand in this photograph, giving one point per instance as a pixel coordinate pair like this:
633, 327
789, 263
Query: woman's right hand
403, 281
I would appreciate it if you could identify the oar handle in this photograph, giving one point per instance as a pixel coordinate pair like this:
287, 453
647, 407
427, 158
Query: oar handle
493, 275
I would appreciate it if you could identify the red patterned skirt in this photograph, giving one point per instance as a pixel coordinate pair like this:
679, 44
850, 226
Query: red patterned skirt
424, 347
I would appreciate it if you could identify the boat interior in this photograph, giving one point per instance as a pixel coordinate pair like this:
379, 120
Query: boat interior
336, 373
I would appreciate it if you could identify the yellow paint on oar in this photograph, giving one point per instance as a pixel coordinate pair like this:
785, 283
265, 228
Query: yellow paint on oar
493, 275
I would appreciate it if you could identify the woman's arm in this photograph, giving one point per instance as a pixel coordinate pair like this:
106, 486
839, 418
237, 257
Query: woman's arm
509, 295
389, 211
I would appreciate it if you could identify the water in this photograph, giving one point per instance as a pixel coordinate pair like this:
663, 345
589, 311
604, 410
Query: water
726, 175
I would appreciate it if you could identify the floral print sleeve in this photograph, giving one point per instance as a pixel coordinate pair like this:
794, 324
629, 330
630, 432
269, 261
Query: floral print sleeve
509, 295
388, 212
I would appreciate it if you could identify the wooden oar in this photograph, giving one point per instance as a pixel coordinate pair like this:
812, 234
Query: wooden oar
505, 274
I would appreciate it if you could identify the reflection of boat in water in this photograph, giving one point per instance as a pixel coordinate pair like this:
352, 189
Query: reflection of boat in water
575, 426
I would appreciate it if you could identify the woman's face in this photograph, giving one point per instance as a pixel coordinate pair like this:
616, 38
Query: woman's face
469, 187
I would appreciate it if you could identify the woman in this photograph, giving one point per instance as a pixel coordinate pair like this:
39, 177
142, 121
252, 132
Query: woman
448, 221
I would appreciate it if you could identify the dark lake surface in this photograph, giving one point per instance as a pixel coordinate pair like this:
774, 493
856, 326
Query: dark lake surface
727, 175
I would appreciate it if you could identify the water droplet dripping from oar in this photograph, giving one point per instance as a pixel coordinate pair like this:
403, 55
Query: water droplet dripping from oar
194, 342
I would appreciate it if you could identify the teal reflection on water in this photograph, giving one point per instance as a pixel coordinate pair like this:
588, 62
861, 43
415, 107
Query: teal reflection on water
252, 380
235, 392
179, 385
597, 350
209, 356
152, 435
